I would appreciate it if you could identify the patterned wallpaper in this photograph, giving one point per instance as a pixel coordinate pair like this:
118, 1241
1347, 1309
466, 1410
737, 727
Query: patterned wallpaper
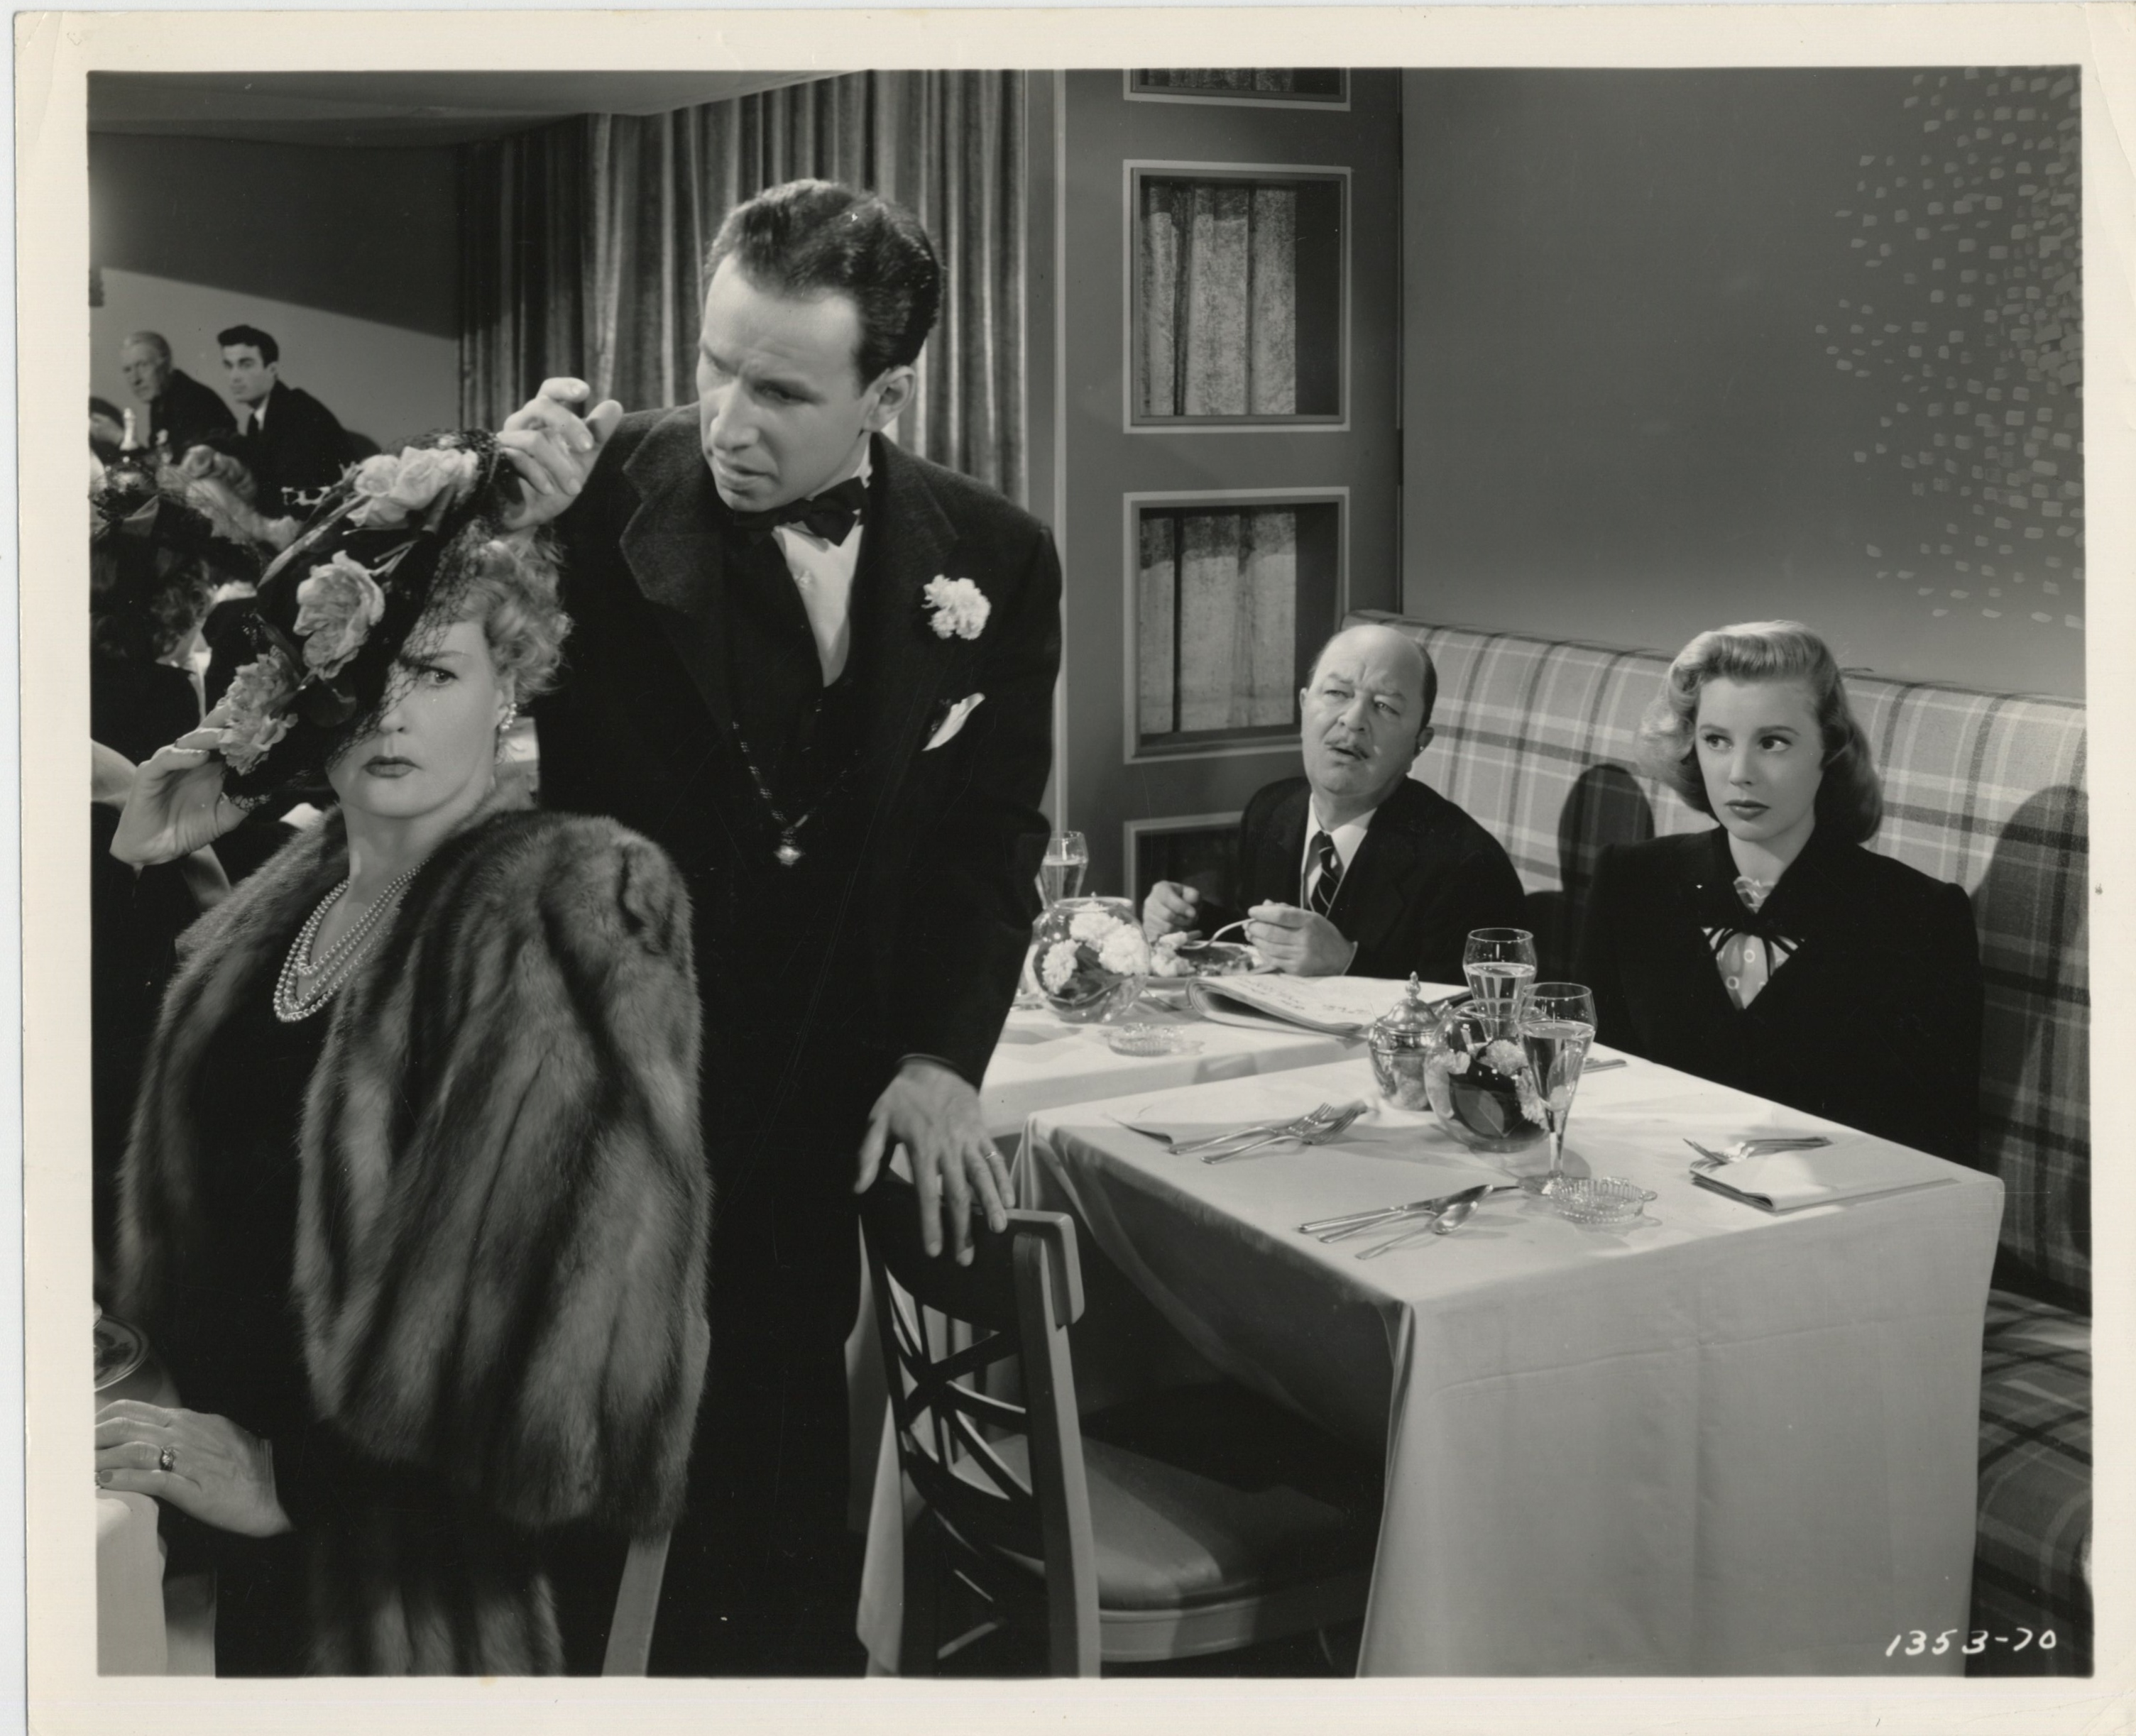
1967, 329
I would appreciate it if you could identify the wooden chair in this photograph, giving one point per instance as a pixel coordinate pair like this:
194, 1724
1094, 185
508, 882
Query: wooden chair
1199, 1520
637, 1601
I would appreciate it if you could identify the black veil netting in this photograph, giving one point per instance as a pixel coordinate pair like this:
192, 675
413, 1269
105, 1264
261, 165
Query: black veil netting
422, 566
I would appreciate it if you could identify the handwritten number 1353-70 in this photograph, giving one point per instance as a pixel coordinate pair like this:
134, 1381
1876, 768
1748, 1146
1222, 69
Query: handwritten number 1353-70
1917, 1642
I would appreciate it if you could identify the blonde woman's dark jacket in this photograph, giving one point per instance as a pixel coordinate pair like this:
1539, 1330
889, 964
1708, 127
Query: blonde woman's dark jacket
501, 1207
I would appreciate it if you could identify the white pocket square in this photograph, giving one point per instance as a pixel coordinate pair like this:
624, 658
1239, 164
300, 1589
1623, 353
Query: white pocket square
952, 720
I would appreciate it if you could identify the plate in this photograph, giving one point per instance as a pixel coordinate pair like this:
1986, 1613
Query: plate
1220, 958
120, 1350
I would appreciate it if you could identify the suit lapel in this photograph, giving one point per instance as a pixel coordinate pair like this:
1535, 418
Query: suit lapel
671, 545
1281, 869
905, 665
1372, 898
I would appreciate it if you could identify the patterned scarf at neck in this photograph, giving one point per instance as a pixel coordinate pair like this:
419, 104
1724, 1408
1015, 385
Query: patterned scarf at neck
1748, 946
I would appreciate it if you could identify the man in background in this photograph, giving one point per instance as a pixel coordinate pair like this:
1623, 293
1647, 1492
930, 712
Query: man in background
292, 443
1357, 868
177, 410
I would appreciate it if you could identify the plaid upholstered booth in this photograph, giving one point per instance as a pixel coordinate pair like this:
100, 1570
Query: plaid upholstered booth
1537, 739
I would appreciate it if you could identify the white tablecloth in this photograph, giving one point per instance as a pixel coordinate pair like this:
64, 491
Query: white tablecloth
1719, 1441
1042, 1063
129, 1587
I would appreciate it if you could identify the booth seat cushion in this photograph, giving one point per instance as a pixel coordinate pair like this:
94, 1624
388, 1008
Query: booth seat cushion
2031, 1568
1537, 739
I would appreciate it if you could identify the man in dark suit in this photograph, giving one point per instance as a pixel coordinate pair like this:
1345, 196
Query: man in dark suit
293, 444
840, 729
177, 410
1357, 868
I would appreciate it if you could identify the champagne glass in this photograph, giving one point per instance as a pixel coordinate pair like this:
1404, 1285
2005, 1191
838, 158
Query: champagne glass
1499, 963
1060, 873
1557, 1023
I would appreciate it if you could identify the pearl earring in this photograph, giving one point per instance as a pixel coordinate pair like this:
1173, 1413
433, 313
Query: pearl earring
504, 728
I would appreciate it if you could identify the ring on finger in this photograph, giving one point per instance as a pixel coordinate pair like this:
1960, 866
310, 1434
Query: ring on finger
167, 1459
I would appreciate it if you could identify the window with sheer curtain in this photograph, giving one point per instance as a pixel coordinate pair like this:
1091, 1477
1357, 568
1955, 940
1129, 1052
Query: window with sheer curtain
1230, 603
1238, 298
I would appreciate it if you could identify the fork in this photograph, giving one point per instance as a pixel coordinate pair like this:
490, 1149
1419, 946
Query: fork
1319, 1133
1739, 1149
1300, 1123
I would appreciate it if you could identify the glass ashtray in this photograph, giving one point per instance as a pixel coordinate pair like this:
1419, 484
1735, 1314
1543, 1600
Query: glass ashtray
1599, 1199
1151, 1039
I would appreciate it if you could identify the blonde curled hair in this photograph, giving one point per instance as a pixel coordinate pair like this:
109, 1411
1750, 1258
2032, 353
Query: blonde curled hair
1850, 801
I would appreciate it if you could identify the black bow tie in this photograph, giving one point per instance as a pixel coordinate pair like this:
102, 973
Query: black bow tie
830, 515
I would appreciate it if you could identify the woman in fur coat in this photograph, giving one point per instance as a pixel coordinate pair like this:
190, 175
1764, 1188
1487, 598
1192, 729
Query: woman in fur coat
414, 1207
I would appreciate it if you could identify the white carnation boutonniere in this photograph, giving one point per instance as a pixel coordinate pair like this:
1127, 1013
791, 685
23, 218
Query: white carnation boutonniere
957, 607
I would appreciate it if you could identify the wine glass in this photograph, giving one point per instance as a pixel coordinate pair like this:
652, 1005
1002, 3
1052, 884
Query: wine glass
1499, 963
1060, 873
1557, 1023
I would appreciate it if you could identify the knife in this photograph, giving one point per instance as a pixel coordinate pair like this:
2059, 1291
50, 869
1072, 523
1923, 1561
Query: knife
1331, 1229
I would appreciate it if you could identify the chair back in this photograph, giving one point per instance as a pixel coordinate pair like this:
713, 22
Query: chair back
952, 1337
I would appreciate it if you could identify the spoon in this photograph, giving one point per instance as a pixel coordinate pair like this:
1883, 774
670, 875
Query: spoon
1444, 1224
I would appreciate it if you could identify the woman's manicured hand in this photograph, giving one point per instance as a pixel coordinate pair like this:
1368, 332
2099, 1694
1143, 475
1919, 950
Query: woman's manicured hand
202, 1465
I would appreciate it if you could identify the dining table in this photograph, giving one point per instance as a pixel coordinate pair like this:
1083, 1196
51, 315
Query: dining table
1043, 1061
1717, 1439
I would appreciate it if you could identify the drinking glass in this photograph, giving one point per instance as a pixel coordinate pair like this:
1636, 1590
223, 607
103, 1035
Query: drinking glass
1060, 873
1499, 963
1557, 1023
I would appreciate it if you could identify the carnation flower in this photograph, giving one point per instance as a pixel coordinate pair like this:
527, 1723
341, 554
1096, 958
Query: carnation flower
1532, 1105
336, 608
960, 608
1058, 967
254, 717
1505, 1055
1124, 952
1093, 925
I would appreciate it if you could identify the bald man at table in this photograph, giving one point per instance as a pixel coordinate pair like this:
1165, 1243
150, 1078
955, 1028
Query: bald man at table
1357, 868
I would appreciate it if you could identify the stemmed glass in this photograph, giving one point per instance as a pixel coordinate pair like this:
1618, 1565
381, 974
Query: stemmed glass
1557, 1023
1499, 963
1060, 873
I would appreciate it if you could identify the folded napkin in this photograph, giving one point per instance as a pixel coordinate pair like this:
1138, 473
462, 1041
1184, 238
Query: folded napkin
1848, 1168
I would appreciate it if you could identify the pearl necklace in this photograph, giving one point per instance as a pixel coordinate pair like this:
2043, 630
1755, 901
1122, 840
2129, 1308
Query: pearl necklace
295, 997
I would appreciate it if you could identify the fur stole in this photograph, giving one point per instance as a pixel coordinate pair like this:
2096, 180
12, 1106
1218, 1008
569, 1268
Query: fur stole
502, 1213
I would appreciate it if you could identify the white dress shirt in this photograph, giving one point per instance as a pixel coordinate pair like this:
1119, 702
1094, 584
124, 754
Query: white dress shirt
823, 574
1347, 836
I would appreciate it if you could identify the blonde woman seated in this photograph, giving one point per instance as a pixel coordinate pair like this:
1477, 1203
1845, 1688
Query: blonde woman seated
415, 1207
1774, 953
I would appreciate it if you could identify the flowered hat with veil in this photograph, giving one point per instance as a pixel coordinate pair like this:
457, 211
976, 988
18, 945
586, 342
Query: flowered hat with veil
377, 567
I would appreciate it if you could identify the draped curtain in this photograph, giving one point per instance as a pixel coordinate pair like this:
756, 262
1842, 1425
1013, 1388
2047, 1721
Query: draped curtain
1218, 331
1216, 638
585, 255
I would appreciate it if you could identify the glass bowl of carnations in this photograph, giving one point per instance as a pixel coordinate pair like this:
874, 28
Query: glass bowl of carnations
1090, 958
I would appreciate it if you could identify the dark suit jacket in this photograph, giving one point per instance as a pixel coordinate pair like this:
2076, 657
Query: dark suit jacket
1874, 1022
1425, 875
186, 412
641, 726
298, 448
